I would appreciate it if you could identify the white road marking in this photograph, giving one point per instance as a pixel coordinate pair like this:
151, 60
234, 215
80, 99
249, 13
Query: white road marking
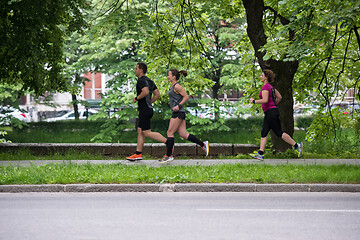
278, 210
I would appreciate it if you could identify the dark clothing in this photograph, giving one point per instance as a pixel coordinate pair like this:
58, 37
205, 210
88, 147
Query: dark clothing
272, 121
144, 105
170, 146
194, 139
145, 118
180, 115
144, 81
175, 99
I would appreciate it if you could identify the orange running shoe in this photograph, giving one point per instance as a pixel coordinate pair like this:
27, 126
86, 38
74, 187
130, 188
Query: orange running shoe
135, 157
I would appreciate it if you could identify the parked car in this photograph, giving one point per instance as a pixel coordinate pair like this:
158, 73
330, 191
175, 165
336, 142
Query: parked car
7, 112
347, 107
61, 113
305, 111
83, 114
206, 112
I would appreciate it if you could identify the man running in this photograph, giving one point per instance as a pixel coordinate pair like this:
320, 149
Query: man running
145, 88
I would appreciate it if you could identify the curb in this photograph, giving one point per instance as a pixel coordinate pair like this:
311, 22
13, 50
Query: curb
180, 187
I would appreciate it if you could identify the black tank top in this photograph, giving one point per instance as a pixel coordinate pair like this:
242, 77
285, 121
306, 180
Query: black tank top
175, 99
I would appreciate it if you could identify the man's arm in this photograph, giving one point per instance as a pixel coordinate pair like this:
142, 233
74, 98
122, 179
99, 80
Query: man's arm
144, 93
156, 95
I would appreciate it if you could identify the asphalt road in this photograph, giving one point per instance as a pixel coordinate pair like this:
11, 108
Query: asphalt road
179, 216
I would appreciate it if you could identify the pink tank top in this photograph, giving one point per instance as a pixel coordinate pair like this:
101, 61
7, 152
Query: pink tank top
270, 104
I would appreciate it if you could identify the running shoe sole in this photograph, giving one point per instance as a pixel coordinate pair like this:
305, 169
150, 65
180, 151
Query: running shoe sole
170, 159
257, 157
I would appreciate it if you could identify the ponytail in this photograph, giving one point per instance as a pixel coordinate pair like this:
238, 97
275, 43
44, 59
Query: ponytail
177, 74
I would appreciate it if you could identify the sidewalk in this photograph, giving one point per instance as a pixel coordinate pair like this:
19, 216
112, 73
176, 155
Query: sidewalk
183, 187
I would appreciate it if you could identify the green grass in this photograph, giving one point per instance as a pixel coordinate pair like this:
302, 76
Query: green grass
230, 173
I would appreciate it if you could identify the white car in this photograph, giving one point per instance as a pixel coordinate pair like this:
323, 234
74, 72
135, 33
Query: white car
6, 113
71, 115
305, 111
206, 112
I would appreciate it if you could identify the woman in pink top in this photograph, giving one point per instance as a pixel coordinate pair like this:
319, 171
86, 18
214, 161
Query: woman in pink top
272, 114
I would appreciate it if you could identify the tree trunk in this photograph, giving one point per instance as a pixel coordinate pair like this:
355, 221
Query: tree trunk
284, 71
74, 98
215, 89
75, 105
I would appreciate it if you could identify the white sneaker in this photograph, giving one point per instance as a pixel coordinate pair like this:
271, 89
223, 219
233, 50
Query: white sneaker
257, 155
166, 159
206, 148
299, 149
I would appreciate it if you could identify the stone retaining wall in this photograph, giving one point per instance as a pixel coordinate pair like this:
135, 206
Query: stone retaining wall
124, 149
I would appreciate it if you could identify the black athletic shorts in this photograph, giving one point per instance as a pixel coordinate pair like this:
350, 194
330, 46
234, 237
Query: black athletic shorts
272, 121
180, 115
145, 118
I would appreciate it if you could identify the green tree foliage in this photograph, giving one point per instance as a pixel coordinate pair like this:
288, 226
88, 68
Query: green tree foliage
31, 40
327, 45
313, 47
73, 68
112, 46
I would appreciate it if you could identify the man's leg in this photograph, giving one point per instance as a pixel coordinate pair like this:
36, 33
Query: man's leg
140, 140
140, 143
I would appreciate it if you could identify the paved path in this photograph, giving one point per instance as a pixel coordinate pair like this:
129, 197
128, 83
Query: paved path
188, 162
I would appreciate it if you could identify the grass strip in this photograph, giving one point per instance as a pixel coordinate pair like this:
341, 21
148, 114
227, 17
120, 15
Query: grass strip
69, 173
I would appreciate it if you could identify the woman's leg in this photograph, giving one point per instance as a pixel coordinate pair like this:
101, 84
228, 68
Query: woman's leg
173, 127
263, 141
286, 137
276, 127
185, 135
192, 138
264, 132
182, 130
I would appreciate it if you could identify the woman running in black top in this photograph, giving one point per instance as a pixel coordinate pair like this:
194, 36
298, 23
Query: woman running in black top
178, 98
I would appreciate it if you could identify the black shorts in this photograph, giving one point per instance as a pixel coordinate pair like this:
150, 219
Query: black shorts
180, 115
145, 118
272, 121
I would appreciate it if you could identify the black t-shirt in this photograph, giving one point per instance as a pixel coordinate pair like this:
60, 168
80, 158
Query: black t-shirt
142, 82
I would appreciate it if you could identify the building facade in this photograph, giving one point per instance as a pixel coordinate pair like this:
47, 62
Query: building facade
38, 110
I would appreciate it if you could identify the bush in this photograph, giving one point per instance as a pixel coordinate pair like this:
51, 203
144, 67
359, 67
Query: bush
304, 122
57, 132
239, 124
159, 124
65, 125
